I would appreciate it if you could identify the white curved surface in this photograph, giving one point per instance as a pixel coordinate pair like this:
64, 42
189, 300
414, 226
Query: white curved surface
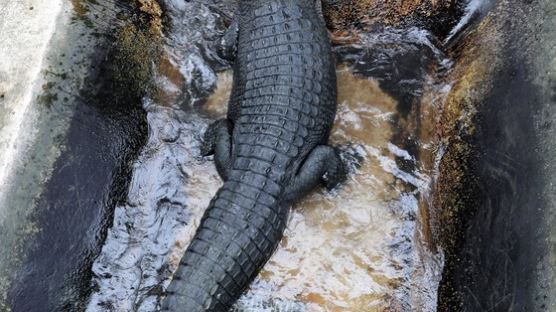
26, 27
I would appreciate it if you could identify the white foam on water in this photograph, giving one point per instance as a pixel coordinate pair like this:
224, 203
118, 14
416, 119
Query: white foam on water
150, 232
400, 152
416, 179
473, 7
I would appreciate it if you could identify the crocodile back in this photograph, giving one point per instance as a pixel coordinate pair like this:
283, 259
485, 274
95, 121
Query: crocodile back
283, 102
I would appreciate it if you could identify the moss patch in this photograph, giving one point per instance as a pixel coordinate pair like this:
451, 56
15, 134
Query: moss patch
134, 58
345, 18
455, 194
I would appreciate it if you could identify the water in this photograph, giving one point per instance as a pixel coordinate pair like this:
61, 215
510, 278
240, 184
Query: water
362, 247
151, 231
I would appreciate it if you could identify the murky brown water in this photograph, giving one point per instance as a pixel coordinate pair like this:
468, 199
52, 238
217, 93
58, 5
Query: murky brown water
354, 249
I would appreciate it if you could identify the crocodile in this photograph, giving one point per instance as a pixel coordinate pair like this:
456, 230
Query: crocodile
270, 150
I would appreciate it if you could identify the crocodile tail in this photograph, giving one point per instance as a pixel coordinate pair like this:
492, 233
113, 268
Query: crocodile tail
237, 235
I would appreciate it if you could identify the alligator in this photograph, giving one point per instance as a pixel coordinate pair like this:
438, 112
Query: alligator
270, 150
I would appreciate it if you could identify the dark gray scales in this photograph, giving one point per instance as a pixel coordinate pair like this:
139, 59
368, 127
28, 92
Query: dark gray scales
270, 150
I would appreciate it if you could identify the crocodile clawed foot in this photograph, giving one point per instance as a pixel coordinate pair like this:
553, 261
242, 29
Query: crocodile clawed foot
334, 177
217, 141
226, 47
349, 160
336, 172
206, 150
352, 157
224, 51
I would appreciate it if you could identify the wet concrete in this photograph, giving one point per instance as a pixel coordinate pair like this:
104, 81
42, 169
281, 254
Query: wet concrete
89, 178
85, 134
18, 81
501, 241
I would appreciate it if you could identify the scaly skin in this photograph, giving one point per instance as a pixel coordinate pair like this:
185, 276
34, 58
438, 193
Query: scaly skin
270, 150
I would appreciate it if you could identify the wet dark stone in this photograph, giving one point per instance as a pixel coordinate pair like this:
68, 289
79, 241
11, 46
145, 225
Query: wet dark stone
497, 269
494, 267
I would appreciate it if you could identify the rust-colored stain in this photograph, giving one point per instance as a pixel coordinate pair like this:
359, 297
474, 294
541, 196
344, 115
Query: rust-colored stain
169, 70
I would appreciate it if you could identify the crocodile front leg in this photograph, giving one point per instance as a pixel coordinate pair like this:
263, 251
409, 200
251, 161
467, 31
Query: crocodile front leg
226, 48
322, 165
217, 140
